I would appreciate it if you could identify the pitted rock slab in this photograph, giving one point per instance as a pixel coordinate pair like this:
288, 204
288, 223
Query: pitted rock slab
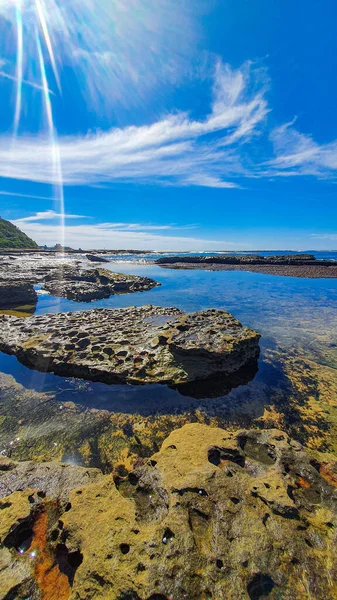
214, 514
136, 345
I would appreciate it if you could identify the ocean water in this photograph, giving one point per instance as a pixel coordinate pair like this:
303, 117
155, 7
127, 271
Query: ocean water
293, 316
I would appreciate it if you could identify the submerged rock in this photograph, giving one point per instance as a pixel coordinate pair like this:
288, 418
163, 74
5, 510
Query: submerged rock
17, 294
213, 515
136, 345
95, 284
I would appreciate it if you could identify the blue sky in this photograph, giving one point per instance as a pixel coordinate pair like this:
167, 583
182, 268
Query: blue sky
170, 125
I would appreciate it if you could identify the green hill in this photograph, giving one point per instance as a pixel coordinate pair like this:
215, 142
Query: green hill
12, 237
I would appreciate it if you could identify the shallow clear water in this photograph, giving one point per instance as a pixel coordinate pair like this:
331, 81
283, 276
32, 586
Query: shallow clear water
290, 313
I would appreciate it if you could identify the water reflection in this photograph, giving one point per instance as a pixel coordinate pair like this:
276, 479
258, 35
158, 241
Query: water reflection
294, 388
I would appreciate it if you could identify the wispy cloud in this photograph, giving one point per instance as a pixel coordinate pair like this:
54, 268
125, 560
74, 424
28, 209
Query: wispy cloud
24, 82
15, 194
230, 144
175, 150
48, 215
324, 236
115, 235
51, 215
299, 154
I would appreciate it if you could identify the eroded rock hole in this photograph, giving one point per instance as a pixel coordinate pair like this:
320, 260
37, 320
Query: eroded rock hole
217, 456
68, 562
129, 596
262, 453
261, 585
133, 479
21, 537
265, 519
168, 535
183, 491
235, 500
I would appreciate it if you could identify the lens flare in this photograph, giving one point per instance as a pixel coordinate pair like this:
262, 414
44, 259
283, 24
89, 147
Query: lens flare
113, 52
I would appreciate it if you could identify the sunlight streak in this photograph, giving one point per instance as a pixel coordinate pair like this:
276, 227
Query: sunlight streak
42, 19
19, 65
56, 160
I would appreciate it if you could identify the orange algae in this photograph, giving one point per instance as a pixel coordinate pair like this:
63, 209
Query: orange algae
328, 475
303, 483
53, 584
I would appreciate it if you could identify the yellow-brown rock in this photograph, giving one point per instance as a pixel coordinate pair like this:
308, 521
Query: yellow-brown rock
213, 515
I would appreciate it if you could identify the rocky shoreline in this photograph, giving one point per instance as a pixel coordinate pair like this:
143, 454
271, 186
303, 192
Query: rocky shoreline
213, 514
95, 284
134, 345
305, 265
63, 277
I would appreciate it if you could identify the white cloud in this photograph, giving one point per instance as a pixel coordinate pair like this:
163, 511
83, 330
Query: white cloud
204, 180
299, 154
175, 150
112, 235
48, 215
51, 215
217, 151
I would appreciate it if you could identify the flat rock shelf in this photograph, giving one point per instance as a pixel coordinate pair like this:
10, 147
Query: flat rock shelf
135, 345
299, 265
214, 514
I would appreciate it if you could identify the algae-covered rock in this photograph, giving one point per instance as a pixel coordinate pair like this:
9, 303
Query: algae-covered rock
135, 345
212, 515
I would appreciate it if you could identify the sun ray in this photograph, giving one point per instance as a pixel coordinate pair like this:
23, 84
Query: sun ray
19, 65
56, 159
43, 22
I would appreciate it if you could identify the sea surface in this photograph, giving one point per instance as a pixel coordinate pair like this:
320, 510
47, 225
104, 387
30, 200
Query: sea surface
297, 319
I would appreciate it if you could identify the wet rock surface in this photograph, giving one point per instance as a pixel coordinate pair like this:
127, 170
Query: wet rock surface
34, 267
65, 277
213, 515
54, 479
17, 294
299, 265
136, 345
96, 258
